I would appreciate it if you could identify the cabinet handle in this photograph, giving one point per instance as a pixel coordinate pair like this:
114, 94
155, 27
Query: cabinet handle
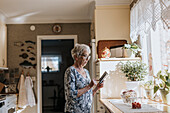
3, 62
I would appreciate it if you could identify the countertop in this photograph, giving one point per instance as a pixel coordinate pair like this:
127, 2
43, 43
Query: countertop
9, 93
165, 108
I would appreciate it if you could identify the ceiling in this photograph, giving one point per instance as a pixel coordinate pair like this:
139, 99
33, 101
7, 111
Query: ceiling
51, 11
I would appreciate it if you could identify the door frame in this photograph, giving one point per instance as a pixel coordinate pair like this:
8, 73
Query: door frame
39, 78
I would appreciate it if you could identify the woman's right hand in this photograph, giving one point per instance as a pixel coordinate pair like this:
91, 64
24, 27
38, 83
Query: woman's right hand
100, 85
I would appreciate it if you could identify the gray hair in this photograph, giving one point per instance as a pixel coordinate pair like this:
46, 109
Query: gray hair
79, 49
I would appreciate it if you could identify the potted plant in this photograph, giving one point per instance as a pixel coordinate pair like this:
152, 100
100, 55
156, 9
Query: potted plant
162, 82
149, 88
135, 72
130, 50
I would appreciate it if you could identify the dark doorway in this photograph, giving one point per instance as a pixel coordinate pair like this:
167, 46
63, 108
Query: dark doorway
55, 58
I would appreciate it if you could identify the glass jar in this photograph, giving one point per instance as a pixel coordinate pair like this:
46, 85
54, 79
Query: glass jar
128, 96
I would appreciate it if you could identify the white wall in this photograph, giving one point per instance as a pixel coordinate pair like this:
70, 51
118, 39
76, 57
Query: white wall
112, 23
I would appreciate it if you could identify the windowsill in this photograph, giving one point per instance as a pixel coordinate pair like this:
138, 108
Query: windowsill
118, 59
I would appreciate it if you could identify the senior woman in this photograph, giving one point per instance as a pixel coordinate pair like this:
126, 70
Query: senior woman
78, 85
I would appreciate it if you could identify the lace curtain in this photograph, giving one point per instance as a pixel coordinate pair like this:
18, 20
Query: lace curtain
150, 20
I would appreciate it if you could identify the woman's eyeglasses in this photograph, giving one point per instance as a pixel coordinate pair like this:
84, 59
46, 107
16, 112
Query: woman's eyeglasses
86, 57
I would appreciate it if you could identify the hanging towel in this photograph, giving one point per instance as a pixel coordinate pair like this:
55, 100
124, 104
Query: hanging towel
22, 99
29, 90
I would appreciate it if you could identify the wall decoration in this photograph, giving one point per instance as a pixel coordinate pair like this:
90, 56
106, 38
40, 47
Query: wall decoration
33, 53
34, 66
22, 49
32, 28
29, 41
24, 55
30, 48
26, 64
19, 44
28, 52
57, 28
32, 58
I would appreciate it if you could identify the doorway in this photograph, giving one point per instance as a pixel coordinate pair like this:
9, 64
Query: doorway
54, 56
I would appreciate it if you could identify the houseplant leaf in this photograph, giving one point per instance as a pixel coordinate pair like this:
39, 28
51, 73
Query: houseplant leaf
168, 83
163, 78
156, 88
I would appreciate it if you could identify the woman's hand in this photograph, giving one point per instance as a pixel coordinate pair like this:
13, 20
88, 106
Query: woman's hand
100, 85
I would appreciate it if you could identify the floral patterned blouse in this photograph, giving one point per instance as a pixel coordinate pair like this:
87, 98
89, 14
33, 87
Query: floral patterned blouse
74, 81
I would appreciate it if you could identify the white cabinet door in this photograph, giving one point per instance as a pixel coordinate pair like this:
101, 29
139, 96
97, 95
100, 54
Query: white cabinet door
3, 45
115, 83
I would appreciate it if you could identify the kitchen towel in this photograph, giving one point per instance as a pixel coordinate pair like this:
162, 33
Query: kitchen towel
22, 99
29, 90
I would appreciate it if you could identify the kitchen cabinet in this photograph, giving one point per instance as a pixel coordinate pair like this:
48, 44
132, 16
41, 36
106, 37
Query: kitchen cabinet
114, 84
3, 46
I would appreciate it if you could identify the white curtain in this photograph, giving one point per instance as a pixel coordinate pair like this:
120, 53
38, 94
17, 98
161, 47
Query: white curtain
150, 20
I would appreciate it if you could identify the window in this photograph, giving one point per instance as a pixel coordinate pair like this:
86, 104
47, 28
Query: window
149, 20
50, 63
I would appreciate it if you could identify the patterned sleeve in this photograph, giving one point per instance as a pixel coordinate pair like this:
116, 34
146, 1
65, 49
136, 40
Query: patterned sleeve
70, 86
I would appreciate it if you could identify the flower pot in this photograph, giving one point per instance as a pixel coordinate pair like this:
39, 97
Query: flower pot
149, 93
136, 86
164, 95
128, 53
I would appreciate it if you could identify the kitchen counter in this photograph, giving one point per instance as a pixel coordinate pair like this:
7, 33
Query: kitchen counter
164, 108
8, 103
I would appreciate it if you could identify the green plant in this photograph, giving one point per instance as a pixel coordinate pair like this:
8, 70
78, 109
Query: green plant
133, 47
162, 81
135, 71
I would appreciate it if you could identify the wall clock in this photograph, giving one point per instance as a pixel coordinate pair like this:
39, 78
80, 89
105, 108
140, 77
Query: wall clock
57, 28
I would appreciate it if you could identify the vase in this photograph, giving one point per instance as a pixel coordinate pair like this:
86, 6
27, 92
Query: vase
149, 93
164, 95
106, 53
136, 86
128, 53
